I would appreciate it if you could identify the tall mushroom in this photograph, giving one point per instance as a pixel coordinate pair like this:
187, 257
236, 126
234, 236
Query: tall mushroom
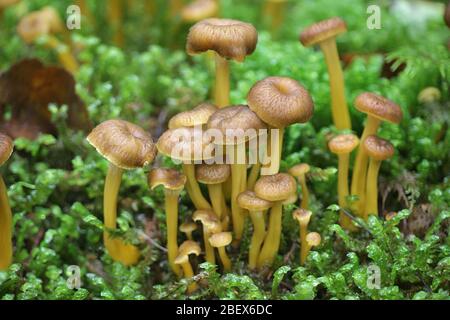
173, 182
275, 188
342, 145
313, 239
324, 33
220, 240
188, 145
6, 249
378, 150
184, 251
256, 207
299, 171
126, 146
236, 125
229, 39
378, 109
279, 102
211, 224
303, 217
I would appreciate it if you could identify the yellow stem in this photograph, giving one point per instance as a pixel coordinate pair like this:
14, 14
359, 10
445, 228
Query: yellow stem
304, 204
209, 250
343, 163
276, 11
275, 149
304, 253
226, 262
171, 204
193, 188
254, 175
222, 85
67, 60
116, 19
238, 172
339, 108
217, 199
125, 253
272, 240
6, 250
303, 244
259, 230
175, 7
372, 188
189, 273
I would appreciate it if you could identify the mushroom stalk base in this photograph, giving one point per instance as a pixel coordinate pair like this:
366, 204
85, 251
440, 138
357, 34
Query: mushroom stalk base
259, 230
226, 262
222, 85
343, 160
120, 251
304, 254
339, 108
303, 243
193, 188
189, 273
272, 240
171, 204
5, 228
372, 188
209, 250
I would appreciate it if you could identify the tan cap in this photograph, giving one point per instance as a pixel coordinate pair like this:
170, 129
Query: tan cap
237, 124
170, 178
187, 248
208, 219
302, 216
313, 239
212, 173
280, 101
124, 144
343, 143
39, 23
6, 148
377, 148
277, 187
322, 30
291, 200
249, 201
188, 226
378, 107
197, 116
220, 239
231, 39
299, 169
199, 10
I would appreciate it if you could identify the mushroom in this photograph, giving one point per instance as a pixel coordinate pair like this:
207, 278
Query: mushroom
275, 188
343, 145
377, 109
220, 240
299, 171
237, 125
45, 24
173, 182
324, 33
187, 228
275, 8
5, 4
279, 102
187, 248
125, 146
6, 249
191, 118
211, 224
313, 239
213, 175
256, 207
229, 39
378, 150
303, 217
198, 10
188, 145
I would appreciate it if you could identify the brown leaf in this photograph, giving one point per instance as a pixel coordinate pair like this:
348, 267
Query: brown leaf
28, 87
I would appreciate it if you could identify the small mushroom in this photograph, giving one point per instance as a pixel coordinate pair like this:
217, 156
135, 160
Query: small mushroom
324, 33
256, 207
343, 145
6, 247
299, 171
377, 109
279, 102
378, 150
173, 182
125, 146
303, 217
220, 240
184, 251
187, 228
191, 118
313, 239
198, 10
211, 224
229, 39
275, 188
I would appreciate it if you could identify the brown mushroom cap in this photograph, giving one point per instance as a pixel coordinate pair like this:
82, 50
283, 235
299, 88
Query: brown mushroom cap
277, 187
322, 30
6, 148
186, 144
378, 107
212, 173
39, 23
313, 239
302, 216
208, 219
199, 10
170, 178
220, 239
343, 143
231, 39
249, 201
377, 148
187, 248
188, 226
299, 169
122, 143
235, 124
280, 101
197, 116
